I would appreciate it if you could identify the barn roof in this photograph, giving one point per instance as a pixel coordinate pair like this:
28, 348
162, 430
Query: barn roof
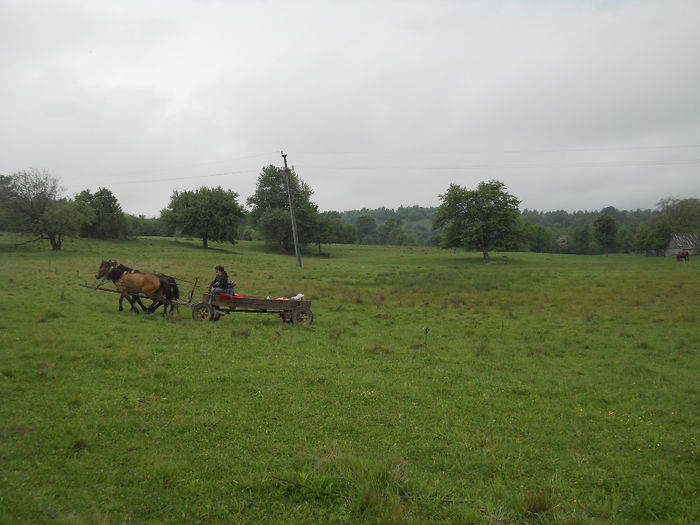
684, 241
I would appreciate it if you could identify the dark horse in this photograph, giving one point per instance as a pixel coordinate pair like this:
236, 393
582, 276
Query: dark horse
174, 294
683, 255
129, 283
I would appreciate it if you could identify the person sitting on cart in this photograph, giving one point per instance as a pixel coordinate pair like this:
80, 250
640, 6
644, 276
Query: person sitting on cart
220, 283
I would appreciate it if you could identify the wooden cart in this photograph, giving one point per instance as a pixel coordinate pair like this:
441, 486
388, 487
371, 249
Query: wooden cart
214, 306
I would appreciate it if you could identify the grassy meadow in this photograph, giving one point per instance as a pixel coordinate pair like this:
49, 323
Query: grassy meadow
431, 388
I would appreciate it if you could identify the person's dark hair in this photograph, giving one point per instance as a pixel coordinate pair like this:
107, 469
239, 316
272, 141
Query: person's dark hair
219, 267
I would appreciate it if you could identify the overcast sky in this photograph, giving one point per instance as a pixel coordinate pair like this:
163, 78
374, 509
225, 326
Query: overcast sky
574, 105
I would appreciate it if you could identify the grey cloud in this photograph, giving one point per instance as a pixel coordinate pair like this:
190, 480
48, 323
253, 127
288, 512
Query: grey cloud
573, 105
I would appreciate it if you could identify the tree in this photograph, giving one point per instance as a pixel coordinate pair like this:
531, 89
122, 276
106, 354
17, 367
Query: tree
270, 209
109, 221
5, 195
330, 229
641, 240
477, 218
146, 226
345, 233
35, 206
660, 233
366, 226
624, 238
209, 213
391, 232
581, 240
541, 238
324, 232
683, 215
605, 231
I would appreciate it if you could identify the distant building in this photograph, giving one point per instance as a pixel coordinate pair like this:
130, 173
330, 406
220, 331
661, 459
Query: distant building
681, 241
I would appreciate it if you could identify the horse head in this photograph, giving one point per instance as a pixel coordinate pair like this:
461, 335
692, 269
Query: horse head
105, 268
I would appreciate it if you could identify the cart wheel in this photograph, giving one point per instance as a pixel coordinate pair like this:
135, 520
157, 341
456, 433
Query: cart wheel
302, 315
203, 312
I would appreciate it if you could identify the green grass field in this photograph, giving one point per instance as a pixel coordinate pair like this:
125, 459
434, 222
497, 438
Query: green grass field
431, 388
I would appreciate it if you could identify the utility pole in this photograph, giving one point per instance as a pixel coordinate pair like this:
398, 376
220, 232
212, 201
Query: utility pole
291, 210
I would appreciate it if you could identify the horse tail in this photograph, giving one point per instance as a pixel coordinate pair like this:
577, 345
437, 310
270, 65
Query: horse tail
165, 287
169, 286
174, 290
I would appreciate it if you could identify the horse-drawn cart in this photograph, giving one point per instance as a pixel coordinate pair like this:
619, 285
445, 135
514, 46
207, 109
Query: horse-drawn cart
213, 306
292, 310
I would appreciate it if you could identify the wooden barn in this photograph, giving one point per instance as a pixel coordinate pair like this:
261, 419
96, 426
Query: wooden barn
681, 241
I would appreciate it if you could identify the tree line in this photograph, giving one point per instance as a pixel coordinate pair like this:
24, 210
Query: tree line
485, 218
639, 231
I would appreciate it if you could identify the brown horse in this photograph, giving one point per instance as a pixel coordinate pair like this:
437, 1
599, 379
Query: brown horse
130, 283
172, 284
683, 255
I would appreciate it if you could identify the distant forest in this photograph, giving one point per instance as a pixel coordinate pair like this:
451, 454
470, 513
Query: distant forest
30, 202
568, 222
640, 231
418, 220
544, 231
404, 225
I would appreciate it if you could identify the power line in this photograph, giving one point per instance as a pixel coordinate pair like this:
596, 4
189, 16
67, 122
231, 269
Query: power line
557, 165
194, 164
504, 150
168, 179
610, 164
602, 164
